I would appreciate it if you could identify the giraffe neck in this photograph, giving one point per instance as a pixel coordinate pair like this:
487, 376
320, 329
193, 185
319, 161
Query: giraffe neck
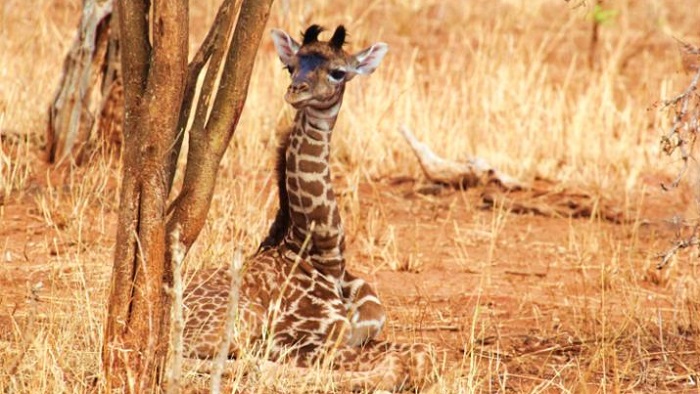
313, 210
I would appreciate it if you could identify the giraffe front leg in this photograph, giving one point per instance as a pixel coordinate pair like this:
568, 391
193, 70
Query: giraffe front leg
364, 310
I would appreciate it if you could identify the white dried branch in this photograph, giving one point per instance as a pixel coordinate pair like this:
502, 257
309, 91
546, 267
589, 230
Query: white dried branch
174, 369
230, 329
472, 173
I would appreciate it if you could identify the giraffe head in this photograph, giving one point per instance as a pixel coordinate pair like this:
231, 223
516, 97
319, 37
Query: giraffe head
320, 69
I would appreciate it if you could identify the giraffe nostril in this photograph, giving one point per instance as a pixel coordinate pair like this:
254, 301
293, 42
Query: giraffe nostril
299, 87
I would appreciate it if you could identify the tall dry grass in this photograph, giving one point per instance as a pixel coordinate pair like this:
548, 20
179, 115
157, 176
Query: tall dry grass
508, 81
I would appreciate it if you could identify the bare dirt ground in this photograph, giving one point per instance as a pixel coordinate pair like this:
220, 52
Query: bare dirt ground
517, 302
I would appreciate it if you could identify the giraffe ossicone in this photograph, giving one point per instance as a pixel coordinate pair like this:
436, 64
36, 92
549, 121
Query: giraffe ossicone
296, 297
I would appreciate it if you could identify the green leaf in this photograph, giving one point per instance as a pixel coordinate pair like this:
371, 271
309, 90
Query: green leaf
603, 16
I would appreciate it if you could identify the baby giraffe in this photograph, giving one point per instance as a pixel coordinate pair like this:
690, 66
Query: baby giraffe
307, 203
297, 303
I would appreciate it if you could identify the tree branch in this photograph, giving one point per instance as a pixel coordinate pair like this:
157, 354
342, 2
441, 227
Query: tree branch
168, 71
136, 50
218, 51
207, 146
216, 38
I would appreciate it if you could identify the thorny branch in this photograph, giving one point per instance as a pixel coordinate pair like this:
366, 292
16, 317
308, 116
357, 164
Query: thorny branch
681, 137
666, 256
684, 129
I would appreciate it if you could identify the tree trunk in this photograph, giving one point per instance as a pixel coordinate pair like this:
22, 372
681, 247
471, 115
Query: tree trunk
154, 79
82, 118
159, 90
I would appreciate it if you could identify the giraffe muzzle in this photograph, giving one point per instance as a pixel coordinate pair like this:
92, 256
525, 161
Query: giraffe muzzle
297, 94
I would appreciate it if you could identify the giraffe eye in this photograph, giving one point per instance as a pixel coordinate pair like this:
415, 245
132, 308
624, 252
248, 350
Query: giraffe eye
290, 69
338, 74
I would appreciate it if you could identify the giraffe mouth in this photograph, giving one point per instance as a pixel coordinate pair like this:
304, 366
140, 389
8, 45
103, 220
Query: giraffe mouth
298, 100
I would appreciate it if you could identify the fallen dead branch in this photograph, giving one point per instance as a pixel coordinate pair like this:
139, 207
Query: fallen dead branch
542, 197
474, 172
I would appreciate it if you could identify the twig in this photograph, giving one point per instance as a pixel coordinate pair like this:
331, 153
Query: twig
425, 328
578, 4
230, 327
595, 35
693, 240
521, 273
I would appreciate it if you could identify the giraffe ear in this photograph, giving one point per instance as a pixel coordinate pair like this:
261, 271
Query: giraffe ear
368, 60
285, 45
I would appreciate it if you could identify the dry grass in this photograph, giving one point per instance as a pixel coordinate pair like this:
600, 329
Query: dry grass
521, 303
